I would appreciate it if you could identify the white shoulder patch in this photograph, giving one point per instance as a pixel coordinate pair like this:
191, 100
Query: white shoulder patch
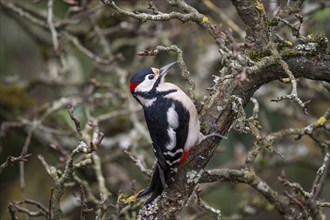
173, 122
172, 142
172, 117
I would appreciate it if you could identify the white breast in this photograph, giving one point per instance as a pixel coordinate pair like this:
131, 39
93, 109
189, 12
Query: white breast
146, 102
194, 125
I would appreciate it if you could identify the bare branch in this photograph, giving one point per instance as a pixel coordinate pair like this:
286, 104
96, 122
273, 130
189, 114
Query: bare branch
12, 212
294, 93
90, 54
139, 164
50, 215
239, 69
75, 121
84, 208
51, 25
10, 160
250, 178
41, 210
191, 14
203, 204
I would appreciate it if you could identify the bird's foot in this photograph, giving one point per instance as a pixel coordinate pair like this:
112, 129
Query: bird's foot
214, 134
143, 192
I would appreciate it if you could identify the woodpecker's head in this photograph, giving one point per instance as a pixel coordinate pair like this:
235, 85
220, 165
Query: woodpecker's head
148, 79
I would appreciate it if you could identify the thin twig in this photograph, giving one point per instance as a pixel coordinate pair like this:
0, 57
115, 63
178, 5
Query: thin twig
90, 54
83, 206
12, 211
203, 204
50, 204
294, 93
190, 14
139, 164
41, 210
51, 25
75, 120
11, 159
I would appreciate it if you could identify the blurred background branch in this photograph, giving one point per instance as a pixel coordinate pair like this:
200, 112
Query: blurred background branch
55, 54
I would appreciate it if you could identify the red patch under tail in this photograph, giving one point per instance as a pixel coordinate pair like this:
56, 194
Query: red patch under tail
184, 156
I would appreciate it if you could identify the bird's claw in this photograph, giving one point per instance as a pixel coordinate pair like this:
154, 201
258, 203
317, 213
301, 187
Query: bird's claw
214, 134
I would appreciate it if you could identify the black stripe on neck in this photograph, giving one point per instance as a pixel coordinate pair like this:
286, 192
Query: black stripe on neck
154, 93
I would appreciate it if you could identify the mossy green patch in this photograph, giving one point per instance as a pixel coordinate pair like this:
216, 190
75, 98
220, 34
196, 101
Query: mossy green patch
13, 100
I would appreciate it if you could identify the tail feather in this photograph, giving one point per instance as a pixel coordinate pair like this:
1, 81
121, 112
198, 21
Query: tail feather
153, 184
144, 193
156, 186
157, 191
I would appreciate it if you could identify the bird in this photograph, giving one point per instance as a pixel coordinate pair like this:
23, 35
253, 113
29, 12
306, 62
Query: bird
172, 121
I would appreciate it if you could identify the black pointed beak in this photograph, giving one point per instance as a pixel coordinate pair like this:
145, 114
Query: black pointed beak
166, 68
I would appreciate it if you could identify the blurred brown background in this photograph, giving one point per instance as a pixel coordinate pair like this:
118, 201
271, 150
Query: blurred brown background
35, 77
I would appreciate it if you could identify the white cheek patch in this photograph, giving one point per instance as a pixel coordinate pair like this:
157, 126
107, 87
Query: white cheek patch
145, 86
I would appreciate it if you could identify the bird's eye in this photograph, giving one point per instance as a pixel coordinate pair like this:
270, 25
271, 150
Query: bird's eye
151, 76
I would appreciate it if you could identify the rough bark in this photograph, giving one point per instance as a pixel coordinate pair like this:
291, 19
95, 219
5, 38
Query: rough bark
175, 197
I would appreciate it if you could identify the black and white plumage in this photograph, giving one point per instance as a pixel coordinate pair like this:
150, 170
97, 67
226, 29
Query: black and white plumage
172, 121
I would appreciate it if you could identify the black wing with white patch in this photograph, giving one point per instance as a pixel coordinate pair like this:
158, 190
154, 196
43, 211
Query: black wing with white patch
168, 130
179, 125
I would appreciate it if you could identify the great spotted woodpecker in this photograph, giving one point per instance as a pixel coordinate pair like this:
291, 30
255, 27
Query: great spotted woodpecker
172, 122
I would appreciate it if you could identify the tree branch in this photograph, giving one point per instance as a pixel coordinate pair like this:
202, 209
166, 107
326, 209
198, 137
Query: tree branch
254, 16
181, 189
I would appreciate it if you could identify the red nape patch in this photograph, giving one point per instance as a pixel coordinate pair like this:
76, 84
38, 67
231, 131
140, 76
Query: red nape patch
184, 156
133, 85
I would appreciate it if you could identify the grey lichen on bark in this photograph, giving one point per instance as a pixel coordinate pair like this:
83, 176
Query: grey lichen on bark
217, 114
